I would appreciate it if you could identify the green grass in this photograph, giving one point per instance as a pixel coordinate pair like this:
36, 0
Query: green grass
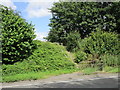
46, 74
108, 69
111, 69
47, 56
89, 70
35, 76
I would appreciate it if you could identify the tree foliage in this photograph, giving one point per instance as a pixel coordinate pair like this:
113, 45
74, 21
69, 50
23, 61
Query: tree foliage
73, 41
115, 11
81, 17
17, 36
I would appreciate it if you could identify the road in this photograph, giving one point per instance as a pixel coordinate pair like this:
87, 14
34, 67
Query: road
108, 82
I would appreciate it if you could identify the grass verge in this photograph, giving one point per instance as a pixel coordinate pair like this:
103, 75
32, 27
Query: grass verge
111, 69
46, 74
89, 70
35, 76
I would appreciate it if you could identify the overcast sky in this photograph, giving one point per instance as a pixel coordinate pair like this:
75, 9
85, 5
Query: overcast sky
35, 11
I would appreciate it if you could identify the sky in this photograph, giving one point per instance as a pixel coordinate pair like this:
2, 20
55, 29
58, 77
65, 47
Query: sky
35, 11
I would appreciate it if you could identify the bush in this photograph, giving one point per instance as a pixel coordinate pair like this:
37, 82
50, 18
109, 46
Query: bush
73, 40
17, 36
47, 56
101, 42
110, 60
80, 56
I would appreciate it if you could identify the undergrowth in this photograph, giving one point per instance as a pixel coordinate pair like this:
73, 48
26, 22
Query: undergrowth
47, 56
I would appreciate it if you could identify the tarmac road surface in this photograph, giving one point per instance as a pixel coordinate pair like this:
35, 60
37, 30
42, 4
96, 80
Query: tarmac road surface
107, 82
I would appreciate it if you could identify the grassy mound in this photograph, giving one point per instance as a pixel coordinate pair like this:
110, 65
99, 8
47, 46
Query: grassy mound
47, 56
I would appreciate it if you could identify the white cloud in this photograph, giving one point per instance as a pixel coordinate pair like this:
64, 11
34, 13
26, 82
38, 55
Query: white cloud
41, 35
36, 0
39, 9
8, 3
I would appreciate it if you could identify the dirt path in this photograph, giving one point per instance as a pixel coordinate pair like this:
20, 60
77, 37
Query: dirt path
64, 77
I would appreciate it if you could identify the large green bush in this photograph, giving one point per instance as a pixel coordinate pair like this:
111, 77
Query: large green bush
100, 43
47, 56
17, 36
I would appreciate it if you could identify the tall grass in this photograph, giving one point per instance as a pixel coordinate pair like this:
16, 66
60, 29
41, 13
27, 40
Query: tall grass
110, 60
35, 76
111, 69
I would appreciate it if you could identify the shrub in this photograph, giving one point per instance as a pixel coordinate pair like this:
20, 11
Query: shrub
47, 56
101, 42
80, 56
73, 40
110, 60
17, 36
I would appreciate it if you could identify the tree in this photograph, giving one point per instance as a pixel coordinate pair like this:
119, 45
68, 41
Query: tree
17, 36
81, 17
115, 11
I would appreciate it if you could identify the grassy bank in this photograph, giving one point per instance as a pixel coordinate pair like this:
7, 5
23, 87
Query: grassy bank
51, 59
36, 76
111, 69
91, 70
47, 74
